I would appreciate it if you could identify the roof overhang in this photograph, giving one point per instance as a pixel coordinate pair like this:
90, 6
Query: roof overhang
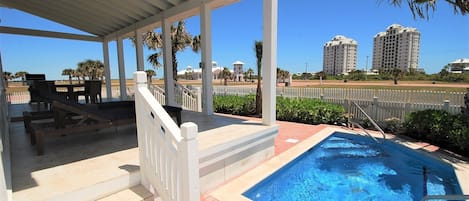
106, 20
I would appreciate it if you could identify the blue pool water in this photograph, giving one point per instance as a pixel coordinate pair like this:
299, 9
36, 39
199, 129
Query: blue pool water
352, 167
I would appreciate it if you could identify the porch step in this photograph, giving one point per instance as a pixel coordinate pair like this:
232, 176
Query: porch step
135, 193
104, 188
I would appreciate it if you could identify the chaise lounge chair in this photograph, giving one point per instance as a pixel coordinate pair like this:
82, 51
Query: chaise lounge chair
87, 118
73, 118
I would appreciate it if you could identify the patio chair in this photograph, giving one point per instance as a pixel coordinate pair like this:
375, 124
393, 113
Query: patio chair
92, 91
47, 92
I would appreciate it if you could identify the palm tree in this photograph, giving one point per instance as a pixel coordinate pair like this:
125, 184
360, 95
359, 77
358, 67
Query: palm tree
22, 75
249, 72
225, 74
282, 74
396, 74
150, 74
421, 8
90, 68
180, 39
258, 50
68, 72
7, 76
78, 74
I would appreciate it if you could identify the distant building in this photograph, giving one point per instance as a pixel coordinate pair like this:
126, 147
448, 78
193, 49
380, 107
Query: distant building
238, 71
340, 55
196, 74
398, 47
459, 66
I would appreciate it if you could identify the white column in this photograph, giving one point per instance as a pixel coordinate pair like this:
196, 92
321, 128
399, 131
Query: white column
168, 64
269, 67
120, 57
107, 70
206, 40
139, 50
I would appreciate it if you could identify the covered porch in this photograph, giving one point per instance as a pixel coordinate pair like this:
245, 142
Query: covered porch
95, 165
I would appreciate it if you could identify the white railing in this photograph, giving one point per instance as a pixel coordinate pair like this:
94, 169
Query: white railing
380, 104
169, 161
158, 93
18, 97
188, 99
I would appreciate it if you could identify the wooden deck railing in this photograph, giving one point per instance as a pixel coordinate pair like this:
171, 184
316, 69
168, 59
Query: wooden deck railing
169, 161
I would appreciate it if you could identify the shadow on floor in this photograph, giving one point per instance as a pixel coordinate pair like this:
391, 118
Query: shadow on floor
63, 150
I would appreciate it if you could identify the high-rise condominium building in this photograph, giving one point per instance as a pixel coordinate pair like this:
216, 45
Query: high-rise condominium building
398, 47
340, 55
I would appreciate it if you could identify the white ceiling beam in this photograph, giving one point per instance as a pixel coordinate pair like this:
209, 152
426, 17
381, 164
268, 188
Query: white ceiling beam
178, 12
147, 7
35, 8
121, 7
72, 8
162, 5
50, 34
97, 11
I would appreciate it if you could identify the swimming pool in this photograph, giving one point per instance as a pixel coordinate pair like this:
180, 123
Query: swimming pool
353, 167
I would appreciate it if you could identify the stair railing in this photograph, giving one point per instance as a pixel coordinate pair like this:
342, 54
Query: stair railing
353, 123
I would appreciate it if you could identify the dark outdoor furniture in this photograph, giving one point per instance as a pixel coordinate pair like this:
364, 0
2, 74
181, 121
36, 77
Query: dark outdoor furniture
72, 118
92, 91
31, 80
70, 92
90, 118
174, 112
47, 92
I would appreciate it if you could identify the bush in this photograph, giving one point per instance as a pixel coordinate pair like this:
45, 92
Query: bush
439, 128
431, 125
310, 111
392, 125
237, 105
303, 110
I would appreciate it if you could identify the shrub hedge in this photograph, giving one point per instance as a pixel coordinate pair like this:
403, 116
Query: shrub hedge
439, 128
303, 110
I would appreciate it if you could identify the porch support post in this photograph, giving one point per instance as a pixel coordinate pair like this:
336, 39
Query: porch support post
168, 64
269, 67
107, 70
207, 77
120, 57
139, 50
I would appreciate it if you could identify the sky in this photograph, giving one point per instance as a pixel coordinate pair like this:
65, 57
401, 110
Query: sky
304, 26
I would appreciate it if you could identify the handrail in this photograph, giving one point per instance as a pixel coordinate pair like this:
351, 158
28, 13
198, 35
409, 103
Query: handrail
446, 197
370, 119
364, 130
184, 89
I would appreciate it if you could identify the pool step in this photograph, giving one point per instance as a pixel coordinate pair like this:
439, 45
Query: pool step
339, 147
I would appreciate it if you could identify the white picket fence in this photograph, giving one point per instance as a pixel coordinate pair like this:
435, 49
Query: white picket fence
169, 161
186, 98
380, 104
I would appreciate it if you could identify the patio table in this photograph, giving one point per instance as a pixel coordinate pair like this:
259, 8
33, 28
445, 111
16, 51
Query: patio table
71, 93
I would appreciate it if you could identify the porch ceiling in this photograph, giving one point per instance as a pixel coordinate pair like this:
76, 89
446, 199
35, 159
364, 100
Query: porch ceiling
108, 19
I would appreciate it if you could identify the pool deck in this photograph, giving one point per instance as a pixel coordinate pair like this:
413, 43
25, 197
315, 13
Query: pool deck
295, 138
